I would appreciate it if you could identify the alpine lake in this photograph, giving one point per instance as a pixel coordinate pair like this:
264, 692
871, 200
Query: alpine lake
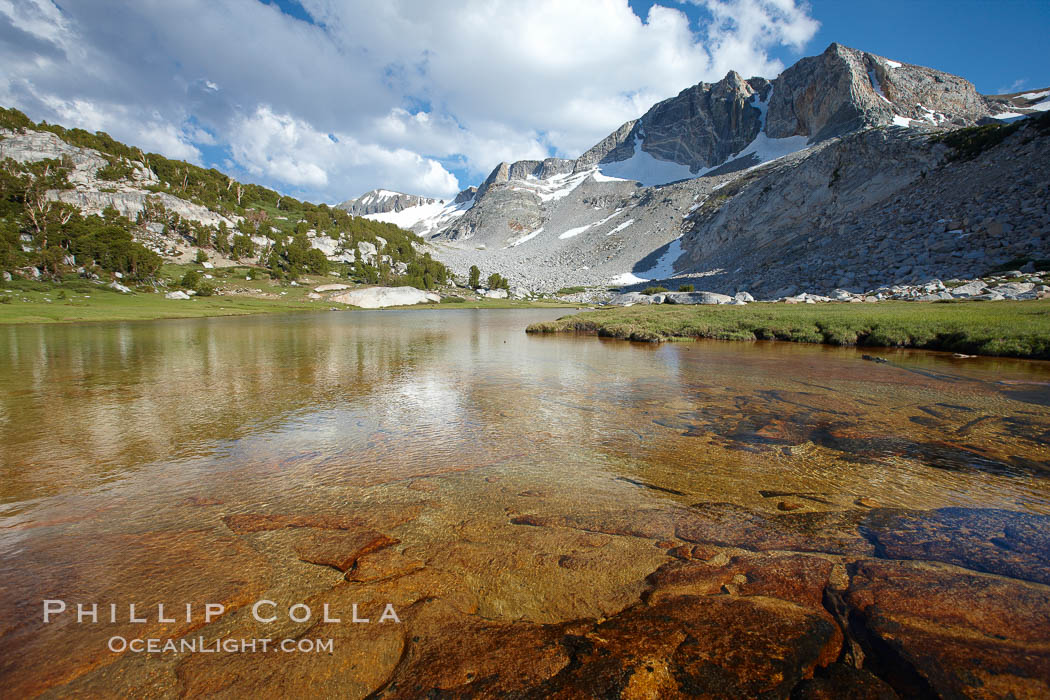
513, 515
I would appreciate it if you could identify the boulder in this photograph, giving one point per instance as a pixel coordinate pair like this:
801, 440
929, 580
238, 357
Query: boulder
327, 245
119, 287
744, 297
630, 299
495, 294
1013, 289
177, 295
969, 289
367, 250
381, 297
696, 298
331, 288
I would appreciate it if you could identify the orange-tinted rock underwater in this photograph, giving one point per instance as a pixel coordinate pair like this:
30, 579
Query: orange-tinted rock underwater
514, 515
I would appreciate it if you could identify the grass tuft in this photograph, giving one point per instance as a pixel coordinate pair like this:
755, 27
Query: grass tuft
1006, 328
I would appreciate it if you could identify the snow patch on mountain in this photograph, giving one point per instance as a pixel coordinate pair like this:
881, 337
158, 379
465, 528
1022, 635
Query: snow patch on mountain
378, 196
931, 116
664, 266
764, 148
877, 87
526, 237
580, 229
644, 168
599, 177
626, 278
574, 232
424, 218
554, 188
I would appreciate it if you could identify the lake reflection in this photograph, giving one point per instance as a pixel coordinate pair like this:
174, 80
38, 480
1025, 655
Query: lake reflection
127, 448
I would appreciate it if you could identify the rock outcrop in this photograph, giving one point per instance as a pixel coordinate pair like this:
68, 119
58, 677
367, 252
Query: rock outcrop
381, 297
844, 89
93, 195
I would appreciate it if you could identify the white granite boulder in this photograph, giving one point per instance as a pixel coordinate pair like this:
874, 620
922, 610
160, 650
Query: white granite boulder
381, 297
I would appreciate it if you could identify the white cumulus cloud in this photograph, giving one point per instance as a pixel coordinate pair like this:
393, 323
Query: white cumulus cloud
420, 96
282, 148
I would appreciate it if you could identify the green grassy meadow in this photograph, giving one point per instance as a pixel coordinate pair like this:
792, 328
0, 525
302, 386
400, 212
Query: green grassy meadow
1005, 328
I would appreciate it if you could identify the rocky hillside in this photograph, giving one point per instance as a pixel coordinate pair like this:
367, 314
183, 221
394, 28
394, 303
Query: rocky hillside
881, 206
638, 205
76, 201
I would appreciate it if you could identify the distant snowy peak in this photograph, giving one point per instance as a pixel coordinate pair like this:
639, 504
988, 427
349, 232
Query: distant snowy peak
422, 215
425, 218
739, 123
1021, 105
383, 201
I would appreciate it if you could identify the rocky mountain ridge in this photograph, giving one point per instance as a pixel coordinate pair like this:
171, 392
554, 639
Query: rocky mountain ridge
382, 201
628, 209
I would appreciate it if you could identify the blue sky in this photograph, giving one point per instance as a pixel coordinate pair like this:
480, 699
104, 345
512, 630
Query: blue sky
995, 44
998, 45
325, 99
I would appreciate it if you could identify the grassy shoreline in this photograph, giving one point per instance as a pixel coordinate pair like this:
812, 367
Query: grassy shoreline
80, 301
1005, 328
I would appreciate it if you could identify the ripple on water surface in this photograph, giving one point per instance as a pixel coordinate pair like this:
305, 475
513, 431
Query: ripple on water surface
533, 479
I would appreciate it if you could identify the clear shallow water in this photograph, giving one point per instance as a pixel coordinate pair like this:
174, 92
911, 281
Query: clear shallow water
123, 447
